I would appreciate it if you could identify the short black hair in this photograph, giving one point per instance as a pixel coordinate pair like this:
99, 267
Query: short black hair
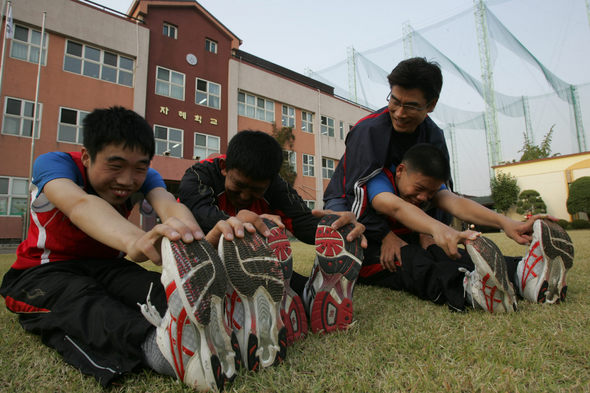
117, 125
418, 73
255, 154
428, 160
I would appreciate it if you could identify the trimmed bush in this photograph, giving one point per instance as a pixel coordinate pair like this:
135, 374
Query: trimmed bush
580, 224
565, 224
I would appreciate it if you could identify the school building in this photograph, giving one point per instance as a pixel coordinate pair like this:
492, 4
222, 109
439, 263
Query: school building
551, 178
170, 61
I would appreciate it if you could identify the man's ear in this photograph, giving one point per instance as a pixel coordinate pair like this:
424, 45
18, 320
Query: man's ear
401, 168
85, 157
432, 105
222, 167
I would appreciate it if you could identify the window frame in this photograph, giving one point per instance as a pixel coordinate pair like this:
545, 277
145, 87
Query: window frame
288, 119
208, 94
36, 123
326, 128
327, 170
305, 122
29, 45
122, 72
169, 83
267, 107
79, 125
169, 142
291, 157
170, 27
10, 196
208, 150
211, 45
308, 168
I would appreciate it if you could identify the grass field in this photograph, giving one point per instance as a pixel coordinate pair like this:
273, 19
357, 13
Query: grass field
397, 343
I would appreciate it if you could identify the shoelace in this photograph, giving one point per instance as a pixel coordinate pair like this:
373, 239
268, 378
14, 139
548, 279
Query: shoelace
149, 311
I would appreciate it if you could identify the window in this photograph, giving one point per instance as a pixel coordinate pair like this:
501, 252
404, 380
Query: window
310, 204
306, 121
97, 63
205, 145
256, 107
27, 44
208, 94
13, 196
327, 168
288, 118
18, 117
291, 158
327, 125
70, 125
210, 45
341, 130
168, 141
169, 83
308, 165
170, 31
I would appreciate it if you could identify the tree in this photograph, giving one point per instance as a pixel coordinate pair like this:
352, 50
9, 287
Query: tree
504, 191
285, 137
531, 151
579, 199
530, 201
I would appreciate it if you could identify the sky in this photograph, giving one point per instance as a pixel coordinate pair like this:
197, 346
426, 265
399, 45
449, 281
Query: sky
316, 35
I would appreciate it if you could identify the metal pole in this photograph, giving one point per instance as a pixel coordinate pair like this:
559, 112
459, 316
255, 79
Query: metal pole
35, 115
4, 6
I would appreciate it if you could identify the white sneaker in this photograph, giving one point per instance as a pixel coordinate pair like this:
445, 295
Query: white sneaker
488, 286
192, 335
253, 300
541, 274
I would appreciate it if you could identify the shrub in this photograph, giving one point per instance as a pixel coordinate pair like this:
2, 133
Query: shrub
580, 224
565, 224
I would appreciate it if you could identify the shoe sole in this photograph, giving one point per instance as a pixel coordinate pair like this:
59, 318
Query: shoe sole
292, 309
339, 264
256, 275
199, 276
558, 251
483, 252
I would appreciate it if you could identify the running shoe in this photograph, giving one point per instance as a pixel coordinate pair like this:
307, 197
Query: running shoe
488, 286
253, 299
292, 310
328, 292
192, 335
541, 274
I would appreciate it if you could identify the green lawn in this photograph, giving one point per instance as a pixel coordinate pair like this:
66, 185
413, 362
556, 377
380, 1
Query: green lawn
397, 343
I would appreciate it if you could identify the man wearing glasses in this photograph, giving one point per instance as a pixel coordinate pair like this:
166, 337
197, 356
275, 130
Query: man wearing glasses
378, 141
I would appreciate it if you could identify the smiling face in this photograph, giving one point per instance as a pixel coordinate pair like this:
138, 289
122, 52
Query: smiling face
116, 172
414, 187
408, 108
242, 190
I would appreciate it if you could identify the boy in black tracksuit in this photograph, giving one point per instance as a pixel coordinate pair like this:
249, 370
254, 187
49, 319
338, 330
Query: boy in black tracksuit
245, 183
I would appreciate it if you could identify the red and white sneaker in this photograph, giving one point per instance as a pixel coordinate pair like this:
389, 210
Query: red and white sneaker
328, 292
541, 274
192, 335
292, 310
488, 286
253, 298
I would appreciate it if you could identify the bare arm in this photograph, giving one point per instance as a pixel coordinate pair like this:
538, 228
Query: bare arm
415, 219
468, 210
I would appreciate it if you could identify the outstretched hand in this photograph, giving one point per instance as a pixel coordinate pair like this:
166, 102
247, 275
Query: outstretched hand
522, 232
448, 238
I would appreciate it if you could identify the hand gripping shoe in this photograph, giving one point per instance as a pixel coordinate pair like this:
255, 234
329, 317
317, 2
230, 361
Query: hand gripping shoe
328, 292
541, 274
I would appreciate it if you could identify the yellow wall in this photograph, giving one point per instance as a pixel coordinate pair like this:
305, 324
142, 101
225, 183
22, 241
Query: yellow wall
550, 177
